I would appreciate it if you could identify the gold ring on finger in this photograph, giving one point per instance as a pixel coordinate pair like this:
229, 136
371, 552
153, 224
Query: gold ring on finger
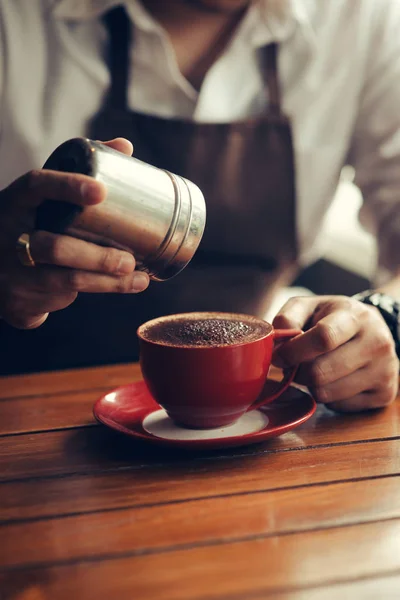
24, 250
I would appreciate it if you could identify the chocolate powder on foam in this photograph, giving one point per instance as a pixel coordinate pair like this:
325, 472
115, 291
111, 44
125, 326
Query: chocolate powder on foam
203, 332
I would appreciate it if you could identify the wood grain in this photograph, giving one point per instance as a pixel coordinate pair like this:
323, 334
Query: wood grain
61, 411
200, 478
96, 448
41, 384
87, 513
260, 565
143, 530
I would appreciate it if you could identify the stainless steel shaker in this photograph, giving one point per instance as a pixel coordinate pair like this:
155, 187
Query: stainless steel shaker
156, 215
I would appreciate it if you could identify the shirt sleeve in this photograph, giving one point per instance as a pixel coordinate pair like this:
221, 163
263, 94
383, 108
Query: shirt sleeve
375, 149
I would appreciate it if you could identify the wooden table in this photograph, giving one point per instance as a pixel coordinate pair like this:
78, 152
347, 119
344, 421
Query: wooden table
86, 513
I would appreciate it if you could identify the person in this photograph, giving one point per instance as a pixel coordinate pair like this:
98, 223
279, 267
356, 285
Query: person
260, 103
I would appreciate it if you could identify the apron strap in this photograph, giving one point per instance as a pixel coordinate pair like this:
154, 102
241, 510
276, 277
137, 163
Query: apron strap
118, 26
270, 69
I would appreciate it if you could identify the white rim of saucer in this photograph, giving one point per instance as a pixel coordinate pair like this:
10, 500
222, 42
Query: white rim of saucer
160, 425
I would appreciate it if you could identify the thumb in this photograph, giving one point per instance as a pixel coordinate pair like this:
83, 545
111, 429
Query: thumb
121, 145
296, 313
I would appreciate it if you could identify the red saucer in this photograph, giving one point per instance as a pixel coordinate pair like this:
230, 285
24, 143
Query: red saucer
125, 408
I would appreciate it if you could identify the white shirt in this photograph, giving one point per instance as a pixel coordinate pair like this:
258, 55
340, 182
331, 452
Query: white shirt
339, 66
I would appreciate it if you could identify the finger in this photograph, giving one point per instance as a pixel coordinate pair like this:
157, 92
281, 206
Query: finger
363, 401
58, 280
379, 380
34, 187
66, 251
121, 145
25, 308
32, 317
339, 363
296, 312
329, 333
363, 348
346, 387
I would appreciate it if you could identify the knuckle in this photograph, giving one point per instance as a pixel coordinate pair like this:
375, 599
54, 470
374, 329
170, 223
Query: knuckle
389, 379
367, 312
385, 341
33, 179
385, 381
383, 397
75, 280
348, 314
54, 249
49, 282
124, 285
281, 321
320, 374
110, 260
319, 394
388, 387
394, 390
284, 318
293, 302
326, 337
371, 317
344, 303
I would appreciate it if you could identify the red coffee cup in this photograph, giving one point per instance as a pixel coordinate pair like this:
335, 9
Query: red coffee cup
210, 386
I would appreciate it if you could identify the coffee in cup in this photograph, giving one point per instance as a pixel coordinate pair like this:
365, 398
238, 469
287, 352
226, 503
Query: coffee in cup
197, 330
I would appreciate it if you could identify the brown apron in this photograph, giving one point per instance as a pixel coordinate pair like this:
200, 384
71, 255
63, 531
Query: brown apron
246, 172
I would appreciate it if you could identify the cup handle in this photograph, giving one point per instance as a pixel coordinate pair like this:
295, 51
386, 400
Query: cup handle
276, 388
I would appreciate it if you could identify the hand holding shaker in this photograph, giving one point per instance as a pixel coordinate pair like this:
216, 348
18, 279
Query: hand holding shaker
157, 216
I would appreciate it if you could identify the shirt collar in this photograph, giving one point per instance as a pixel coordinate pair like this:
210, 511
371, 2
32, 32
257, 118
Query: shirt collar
273, 20
281, 18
